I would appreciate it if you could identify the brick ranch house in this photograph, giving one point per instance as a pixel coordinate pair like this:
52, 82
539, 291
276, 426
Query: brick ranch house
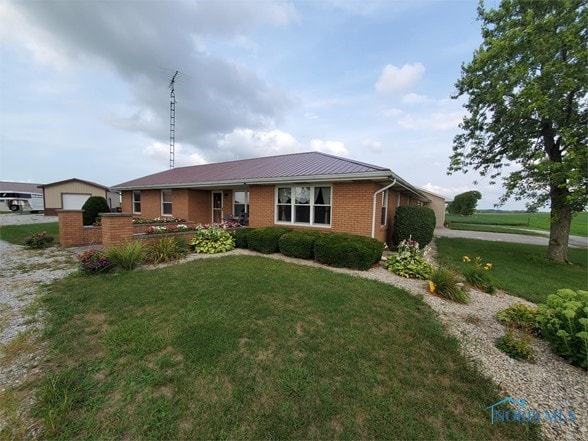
306, 190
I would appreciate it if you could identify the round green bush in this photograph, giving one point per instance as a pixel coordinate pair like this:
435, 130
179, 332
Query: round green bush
266, 240
240, 236
413, 221
92, 209
348, 250
299, 244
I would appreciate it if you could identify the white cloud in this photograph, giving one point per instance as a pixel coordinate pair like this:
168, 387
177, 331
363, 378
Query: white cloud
242, 143
438, 121
394, 79
372, 145
159, 153
415, 98
331, 147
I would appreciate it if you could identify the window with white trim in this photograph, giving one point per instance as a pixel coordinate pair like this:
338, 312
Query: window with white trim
240, 203
136, 202
166, 202
384, 210
306, 205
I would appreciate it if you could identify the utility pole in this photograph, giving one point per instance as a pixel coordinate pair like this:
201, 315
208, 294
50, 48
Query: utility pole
172, 121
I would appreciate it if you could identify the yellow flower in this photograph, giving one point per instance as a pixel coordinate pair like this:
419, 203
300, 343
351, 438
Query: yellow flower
466, 259
488, 266
431, 287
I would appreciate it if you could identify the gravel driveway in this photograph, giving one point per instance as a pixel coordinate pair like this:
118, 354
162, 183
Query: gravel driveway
548, 383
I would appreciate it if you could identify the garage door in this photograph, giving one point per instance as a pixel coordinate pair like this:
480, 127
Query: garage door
73, 201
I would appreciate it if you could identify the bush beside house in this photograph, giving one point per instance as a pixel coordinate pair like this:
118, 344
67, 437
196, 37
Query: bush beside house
413, 222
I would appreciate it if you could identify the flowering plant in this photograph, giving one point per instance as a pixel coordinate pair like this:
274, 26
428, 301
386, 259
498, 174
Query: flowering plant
39, 240
93, 261
157, 220
477, 274
169, 229
409, 261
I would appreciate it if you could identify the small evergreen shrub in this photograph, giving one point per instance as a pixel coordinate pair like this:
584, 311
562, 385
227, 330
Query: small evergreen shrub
522, 317
477, 274
92, 208
165, 249
212, 240
446, 282
515, 345
93, 262
240, 236
127, 256
408, 261
299, 244
564, 323
39, 240
266, 240
411, 221
348, 250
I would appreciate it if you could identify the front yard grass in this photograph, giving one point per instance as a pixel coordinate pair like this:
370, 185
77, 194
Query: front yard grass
520, 269
16, 233
244, 347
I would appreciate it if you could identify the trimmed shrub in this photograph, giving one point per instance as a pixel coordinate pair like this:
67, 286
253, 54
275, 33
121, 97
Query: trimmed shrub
240, 236
39, 240
409, 261
564, 323
212, 240
299, 244
412, 222
127, 256
266, 240
93, 207
348, 250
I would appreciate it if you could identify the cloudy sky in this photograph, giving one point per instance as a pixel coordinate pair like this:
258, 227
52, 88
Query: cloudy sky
84, 85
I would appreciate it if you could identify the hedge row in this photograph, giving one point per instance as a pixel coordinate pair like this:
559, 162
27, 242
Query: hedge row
335, 249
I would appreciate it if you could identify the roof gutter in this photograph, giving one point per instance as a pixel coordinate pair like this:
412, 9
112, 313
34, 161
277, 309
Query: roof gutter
374, 206
384, 175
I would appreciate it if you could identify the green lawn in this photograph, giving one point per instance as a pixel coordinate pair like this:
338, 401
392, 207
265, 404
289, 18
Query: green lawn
539, 221
253, 348
521, 270
16, 233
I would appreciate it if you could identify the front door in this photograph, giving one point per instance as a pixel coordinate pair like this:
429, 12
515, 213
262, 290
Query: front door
217, 206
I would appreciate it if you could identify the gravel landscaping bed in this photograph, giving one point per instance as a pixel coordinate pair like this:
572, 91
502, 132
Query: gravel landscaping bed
547, 383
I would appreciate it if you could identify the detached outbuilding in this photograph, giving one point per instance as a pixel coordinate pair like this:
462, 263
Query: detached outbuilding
71, 194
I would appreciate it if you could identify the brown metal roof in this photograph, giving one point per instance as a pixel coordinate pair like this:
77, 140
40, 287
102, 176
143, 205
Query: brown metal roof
267, 169
19, 186
103, 187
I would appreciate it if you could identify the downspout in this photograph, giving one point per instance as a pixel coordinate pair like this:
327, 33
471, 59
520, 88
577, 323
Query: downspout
374, 207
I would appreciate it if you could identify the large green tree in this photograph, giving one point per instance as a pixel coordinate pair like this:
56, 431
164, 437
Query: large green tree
526, 92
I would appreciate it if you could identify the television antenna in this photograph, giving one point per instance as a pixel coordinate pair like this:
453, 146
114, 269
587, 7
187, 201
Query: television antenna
172, 121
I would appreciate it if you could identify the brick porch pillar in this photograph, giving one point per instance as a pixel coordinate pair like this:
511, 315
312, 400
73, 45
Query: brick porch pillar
71, 228
117, 228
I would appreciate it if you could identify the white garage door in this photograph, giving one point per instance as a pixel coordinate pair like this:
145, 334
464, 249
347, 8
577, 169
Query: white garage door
74, 201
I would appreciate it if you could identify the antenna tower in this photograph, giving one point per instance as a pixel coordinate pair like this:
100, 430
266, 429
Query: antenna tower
172, 121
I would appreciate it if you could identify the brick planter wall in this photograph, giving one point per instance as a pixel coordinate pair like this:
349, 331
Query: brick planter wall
71, 231
117, 228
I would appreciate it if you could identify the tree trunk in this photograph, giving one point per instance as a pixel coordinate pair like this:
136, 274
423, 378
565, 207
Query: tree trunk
559, 230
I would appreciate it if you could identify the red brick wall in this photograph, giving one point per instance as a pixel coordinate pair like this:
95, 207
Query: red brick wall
70, 228
200, 208
261, 205
117, 228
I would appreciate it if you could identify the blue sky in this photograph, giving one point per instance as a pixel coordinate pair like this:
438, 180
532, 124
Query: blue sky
84, 85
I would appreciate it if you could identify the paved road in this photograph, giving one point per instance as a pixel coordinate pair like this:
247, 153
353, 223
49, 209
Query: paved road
20, 219
574, 242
